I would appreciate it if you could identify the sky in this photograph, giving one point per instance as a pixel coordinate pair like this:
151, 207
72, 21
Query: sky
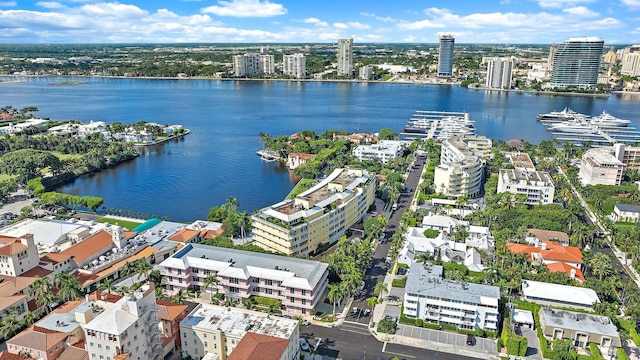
317, 21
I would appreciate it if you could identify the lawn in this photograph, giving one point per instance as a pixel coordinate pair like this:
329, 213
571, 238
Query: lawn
63, 157
122, 223
301, 186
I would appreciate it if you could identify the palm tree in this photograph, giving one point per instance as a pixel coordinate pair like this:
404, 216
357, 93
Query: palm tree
128, 269
335, 295
600, 265
45, 300
69, 287
106, 285
380, 289
210, 280
179, 297
249, 304
580, 236
228, 302
143, 268
9, 326
372, 301
30, 317
40, 286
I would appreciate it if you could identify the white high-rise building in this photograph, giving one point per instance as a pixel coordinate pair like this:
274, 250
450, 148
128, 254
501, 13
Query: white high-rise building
253, 64
294, 65
631, 64
499, 73
267, 64
345, 57
365, 72
576, 62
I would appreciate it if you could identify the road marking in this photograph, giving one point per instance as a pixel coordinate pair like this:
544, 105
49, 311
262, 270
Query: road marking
398, 354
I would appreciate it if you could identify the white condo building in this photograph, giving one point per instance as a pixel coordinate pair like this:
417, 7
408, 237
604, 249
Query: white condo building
345, 57
216, 332
294, 65
430, 297
536, 185
631, 64
365, 72
462, 162
384, 150
317, 216
601, 166
253, 64
499, 73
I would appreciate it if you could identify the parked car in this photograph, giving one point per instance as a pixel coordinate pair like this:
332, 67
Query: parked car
304, 345
402, 271
471, 340
374, 214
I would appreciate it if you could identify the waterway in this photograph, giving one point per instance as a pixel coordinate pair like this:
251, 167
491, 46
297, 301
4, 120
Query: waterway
185, 178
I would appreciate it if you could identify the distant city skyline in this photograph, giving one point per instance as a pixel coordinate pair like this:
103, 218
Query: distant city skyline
289, 21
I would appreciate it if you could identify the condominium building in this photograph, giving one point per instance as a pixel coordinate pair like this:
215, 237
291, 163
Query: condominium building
430, 297
384, 150
536, 185
462, 162
17, 255
297, 283
445, 57
129, 326
216, 332
631, 64
576, 62
345, 57
253, 64
499, 73
580, 329
320, 215
294, 65
600, 166
365, 72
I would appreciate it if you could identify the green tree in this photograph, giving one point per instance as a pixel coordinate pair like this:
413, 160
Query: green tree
335, 295
209, 280
380, 289
69, 287
387, 134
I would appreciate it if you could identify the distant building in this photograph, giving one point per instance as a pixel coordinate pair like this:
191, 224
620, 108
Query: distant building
626, 213
581, 329
445, 57
430, 297
365, 72
295, 160
253, 64
320, 215
537, 186
216, 332
548, 294
499, 73
610, 57
384, 150
345, 57
600, 166
631, 64
576, 62
294, 65
462, 163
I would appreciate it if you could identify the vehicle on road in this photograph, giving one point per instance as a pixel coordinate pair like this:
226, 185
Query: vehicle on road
394, 207
374, 214
470, 340
304, 345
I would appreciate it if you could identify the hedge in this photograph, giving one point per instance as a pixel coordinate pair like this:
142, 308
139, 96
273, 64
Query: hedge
399, 283
261, 300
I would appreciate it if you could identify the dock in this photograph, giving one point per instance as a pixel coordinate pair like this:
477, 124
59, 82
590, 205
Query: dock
598, 135
427, 124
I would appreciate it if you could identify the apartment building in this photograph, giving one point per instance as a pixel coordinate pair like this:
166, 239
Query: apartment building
345, 57
297, 283
536, 185
17, 255
129, 326
384, 150
576, 62
253, 64
445, 56
430, 297
628, 155
499, 73
462, 162
317, 216
294, 65
600, 166
365, 72
581, 329
631, 64
218, 332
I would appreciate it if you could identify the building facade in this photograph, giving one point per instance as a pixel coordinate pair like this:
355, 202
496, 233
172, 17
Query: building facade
365, 72
536, 185
345, 57
462, 163
297, 283
600, 166
253, 64
430, 297
631, 64
294, 65
219, 331
317, 216
384, 150
499, 73
576, 62
581, 329
445, 56
17, 255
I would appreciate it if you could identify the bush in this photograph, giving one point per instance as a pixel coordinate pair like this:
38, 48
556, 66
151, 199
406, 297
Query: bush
500, 344
387, 326
419, 322
595, 352
399, 283
261, 300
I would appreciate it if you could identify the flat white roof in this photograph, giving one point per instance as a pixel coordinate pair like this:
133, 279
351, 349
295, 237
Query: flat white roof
559, 293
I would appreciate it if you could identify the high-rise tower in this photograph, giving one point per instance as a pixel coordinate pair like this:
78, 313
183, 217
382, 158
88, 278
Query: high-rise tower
345, 57
445, 58
576, 62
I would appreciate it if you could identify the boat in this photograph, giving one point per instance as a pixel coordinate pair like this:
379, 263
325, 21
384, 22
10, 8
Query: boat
607, 120
575, 128
268, 155
560, 116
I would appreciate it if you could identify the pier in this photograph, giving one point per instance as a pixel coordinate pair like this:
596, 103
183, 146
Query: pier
426, 124
584, 130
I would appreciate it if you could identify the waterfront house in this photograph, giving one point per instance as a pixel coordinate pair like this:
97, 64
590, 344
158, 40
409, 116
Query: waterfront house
295, 160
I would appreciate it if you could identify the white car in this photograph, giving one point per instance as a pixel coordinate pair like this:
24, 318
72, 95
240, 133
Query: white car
304, 345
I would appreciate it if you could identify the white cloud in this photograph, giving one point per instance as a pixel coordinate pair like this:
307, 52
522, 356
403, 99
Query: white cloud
561, 3
113, 10
357, 25
581, 11
50, 5
8, 3
384, 19
316, 22
634, 4
246, 8
340, 25
419, 25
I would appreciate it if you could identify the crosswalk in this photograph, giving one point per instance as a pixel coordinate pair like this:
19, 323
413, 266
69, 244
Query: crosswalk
354, 327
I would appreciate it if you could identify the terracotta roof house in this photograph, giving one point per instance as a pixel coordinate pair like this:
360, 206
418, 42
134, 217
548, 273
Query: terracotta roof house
186, 236
295, 160
170, 315
550, 253
40, 345
9, 356
548, 235
90, 248
259, 347
573, 272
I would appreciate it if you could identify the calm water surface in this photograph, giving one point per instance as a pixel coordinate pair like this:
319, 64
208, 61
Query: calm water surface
183, 179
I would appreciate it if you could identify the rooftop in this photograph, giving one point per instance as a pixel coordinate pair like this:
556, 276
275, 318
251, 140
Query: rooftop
259, 347
559, 293
515, 175
293, 272
546, 235
45, 232
602, 156
37, 340
89, 246
520, 160
628, 208
239, 321
592, 324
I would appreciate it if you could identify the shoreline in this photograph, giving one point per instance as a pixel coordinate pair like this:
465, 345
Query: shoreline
355, 81
181, 135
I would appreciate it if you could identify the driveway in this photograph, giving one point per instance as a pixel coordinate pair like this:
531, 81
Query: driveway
454, 339
533, 344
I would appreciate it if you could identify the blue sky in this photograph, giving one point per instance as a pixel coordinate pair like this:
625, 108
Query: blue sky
317, 21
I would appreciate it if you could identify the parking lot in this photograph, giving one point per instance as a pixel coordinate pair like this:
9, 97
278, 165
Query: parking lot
486, 345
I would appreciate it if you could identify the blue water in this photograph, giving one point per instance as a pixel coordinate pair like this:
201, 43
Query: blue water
183, 179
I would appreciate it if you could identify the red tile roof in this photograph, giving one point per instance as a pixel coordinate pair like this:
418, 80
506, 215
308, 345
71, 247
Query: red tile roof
546, 235
88, 247
9, 356
184, 235
74, 353
37, 340
54, 258
557, 252
259, 347
11, 245
169, 310
37, 271
565, 268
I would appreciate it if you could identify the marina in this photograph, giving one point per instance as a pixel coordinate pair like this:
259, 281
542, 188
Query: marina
438, 125
603, 129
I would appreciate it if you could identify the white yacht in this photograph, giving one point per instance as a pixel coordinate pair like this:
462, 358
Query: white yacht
561, 116
607, 120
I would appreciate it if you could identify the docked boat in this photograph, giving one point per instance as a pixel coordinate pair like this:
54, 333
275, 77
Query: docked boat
561, 116
574, 127
607, 120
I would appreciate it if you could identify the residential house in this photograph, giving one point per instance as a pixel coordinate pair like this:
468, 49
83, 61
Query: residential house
548, 294
581, 329
295, 160
170, 315
626, 213
556, 257
384, 151
537, 186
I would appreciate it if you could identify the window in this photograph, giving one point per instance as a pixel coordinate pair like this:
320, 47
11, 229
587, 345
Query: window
234, 290
292, 299
205, 344
292, 291
268, 291
233, 280
304, 292
268, 282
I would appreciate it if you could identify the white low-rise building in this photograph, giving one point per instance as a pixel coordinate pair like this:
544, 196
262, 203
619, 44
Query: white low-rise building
537, 186
600, 166
384, 150
559, 295
222, 333
430, 297
626, 213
